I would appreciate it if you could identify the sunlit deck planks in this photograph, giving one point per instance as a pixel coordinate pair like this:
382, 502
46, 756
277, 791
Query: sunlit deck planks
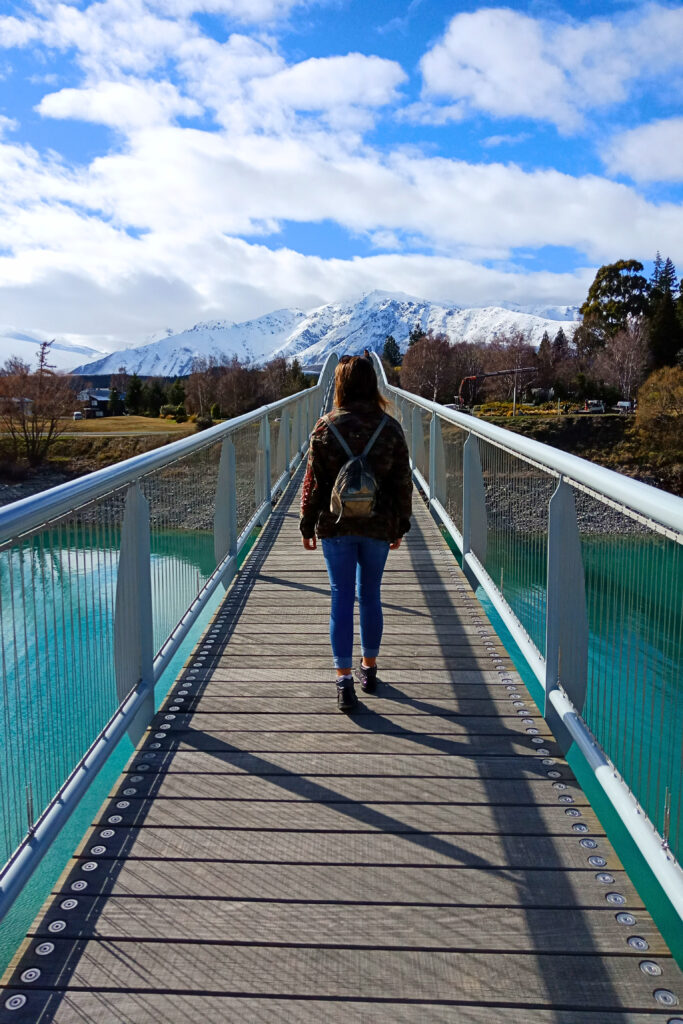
265, 858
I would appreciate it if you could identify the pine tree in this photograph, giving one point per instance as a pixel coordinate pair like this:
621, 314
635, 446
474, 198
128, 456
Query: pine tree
154, 397
416, 334
391, 351
134, 402
176, 393
656, 271
544, 359
560, 345
114, 404
666, 332
667, 281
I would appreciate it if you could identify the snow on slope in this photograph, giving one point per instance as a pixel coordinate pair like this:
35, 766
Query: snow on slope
365, 324
24, 346
341, 327
173, 356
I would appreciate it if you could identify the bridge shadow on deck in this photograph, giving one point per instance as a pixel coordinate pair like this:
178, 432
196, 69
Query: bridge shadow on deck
149, 767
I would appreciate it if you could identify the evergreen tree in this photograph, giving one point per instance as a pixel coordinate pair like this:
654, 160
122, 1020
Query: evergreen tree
134, 398
666, 332
656, 271
560, 345
667, 281
544, 359
296, 378
618, 293
115, 404
176, 393
416, 334
391, 351
154, 397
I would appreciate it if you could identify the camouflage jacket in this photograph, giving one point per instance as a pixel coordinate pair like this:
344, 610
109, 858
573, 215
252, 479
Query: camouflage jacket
388, 459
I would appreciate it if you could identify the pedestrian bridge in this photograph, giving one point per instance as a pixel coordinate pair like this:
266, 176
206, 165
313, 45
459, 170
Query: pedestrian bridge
264, 858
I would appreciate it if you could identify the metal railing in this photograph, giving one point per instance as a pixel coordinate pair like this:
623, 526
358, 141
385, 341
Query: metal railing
101, 579
585, 567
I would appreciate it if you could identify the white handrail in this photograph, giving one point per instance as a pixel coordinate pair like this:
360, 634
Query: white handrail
25, 515
650, 502
22, 517
564, 689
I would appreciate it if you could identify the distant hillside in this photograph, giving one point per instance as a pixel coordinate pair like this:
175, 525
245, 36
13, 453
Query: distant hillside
341, 327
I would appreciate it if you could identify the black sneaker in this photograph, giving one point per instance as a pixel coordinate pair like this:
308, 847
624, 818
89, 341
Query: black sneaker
346, 697
367, 677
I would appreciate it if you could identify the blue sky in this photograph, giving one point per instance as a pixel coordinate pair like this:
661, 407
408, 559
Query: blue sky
168, 161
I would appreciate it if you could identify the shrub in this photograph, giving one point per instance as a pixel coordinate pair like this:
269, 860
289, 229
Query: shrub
215, 412
167, 411
180, 414
660, 407
203, 422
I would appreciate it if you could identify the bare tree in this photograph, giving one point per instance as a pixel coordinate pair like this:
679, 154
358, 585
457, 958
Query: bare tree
428, 368
623, 361
33, 405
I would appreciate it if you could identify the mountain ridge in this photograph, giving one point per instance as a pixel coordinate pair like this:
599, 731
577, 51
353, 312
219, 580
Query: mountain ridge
337, 326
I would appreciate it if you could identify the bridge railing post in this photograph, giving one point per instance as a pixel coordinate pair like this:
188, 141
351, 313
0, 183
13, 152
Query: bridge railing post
417, 452
566, 657
474, 518
225, 515
133, 619
437, 461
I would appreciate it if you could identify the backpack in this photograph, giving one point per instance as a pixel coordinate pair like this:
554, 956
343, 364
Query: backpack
355, 490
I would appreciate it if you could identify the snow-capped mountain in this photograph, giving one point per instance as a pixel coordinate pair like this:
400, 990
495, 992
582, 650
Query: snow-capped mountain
21, 345
172, 356
365, 324
337, 326
569, 313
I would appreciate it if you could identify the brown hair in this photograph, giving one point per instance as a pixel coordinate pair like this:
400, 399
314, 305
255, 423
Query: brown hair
355, 380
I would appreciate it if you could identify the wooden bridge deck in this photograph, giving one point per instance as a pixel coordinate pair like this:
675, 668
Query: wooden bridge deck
265, 858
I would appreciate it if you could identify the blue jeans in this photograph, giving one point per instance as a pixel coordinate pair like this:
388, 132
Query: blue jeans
355, 565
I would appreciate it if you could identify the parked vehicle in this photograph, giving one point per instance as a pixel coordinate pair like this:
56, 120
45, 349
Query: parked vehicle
78, 415
625, 407
594, 405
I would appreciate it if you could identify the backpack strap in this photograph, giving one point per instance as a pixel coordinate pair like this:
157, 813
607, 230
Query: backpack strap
341, 440
343, 443
374, 436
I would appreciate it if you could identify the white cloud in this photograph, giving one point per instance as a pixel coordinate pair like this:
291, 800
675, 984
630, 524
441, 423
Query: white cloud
427, 113
509, 64
505, 140
7, 124
16, 32
127, 105
248, 11
324, 83
651, 152
248, 280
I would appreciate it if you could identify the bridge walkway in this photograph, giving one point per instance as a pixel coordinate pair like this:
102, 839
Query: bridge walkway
265, 858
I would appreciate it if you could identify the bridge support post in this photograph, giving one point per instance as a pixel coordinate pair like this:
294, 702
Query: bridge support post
437, 461
262, 475
417, 452
566, 645
286, 432
225, 515
133, 623
474, 520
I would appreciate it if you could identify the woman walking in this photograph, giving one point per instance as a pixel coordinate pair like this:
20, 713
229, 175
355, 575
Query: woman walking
370, 513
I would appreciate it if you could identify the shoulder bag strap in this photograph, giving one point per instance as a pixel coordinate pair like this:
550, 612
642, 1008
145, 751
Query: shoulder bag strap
374, 436
341, 440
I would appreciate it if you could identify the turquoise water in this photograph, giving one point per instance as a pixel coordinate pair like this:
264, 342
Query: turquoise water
634, 614
634, 703
58, 726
